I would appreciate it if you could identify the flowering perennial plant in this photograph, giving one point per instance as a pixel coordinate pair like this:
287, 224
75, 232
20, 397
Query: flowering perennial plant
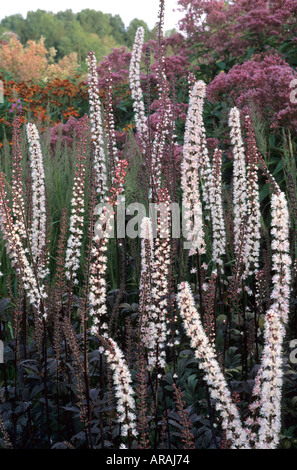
38, 229
253, 224
147, 260
204, 166
239, 179
73, 251
113, 157
160, 286
217, 211
102, 231
136, 91
18, 206
123, 390
190, 177
96, 127
17, 252
271, 372
213, 375
268, 382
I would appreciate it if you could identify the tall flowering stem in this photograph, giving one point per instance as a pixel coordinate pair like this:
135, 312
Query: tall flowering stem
163, 127
160, 285
204, 166
190, 179
165, 124
18, 205
253, 225
217, 211
187, 436
196, 139
38, 229
271, 372
239, 177
136, 91
110, 129
142, 394
17, 253
97, 279
210, 303
96, 127
205, 352
74, 243
147, 260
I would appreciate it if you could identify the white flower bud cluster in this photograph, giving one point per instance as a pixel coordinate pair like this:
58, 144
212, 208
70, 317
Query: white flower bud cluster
123, 390
160, 287
239, 178
38, 229
74, 243
253, 223
102, 232
110, 129
18, 206
217, 383
162, 130
198, 137
264, 424
217, 212
96, 127
98, 285
147, 259
136, 91
271, 373
190, 179
17, 253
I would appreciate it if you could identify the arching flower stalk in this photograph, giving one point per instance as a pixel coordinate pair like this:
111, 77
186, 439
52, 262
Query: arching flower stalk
271, 372
192, 207
239, 178
205, 352
74, 243
38, 229
96, 128
253, 223
136, 91
123, 390
217, 211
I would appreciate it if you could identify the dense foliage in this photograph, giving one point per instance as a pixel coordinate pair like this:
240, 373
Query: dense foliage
66, 32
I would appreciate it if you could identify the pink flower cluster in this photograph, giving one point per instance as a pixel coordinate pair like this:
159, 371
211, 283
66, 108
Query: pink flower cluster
263, 83
245, 23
